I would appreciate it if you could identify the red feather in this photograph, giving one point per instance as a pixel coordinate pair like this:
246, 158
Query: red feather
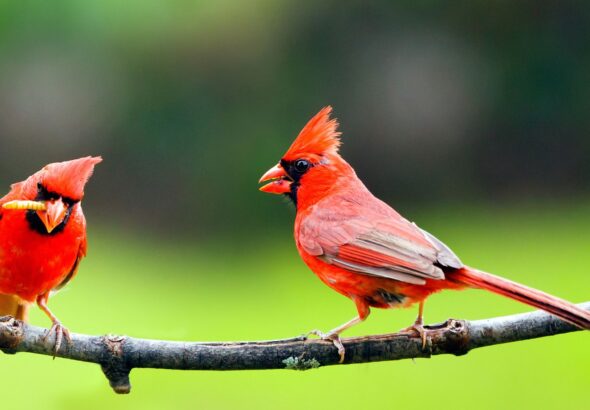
319, 136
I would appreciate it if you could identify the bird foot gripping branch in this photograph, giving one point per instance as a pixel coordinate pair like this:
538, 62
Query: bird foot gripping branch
332, 337
61, 332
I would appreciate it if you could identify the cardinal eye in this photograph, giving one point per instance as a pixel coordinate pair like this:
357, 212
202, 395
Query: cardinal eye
301, 165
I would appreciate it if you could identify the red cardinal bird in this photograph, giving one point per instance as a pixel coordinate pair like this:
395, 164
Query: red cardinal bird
362, 248
42, 238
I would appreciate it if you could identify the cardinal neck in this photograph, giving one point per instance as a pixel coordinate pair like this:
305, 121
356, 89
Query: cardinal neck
321, 182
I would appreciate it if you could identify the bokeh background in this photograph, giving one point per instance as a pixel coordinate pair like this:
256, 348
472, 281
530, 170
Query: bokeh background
470, 118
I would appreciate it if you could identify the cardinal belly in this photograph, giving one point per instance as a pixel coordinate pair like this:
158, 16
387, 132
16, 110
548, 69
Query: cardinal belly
29, 271
376, 291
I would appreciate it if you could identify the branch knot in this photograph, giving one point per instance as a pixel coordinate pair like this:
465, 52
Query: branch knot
451, 337
114, 366
11, 334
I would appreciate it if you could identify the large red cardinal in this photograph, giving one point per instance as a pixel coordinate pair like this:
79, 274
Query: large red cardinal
362, 248
42, 238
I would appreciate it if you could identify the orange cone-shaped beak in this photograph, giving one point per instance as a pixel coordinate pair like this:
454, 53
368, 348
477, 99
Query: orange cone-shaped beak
280, 183
53, 215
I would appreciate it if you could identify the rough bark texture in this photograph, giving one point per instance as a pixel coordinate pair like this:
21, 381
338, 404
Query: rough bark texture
117, 355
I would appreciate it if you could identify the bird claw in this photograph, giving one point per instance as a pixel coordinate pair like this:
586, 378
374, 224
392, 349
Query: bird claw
60, 332
420, 330
334, 338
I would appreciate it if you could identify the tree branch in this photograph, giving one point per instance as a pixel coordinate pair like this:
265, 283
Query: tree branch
117, 355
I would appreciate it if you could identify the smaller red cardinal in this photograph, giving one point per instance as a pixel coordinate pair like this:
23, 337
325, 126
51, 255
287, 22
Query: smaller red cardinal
42, 238
362, 248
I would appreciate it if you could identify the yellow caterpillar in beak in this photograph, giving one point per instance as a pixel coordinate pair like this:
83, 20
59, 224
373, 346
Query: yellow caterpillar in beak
25, 205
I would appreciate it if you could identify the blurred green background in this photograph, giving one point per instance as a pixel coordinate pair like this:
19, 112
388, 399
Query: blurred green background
471, 119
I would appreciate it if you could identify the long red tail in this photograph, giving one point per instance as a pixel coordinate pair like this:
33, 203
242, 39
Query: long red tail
533, 297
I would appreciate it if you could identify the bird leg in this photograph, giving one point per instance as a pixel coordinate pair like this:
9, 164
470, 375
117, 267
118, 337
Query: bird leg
334, 334
22, 312
60, 330
418, 326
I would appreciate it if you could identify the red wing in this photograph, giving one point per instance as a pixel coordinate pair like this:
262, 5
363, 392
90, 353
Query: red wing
74, 270
82, 249
375, 241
